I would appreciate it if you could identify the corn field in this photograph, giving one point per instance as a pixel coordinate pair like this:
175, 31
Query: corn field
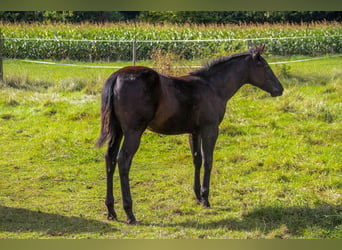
113, 41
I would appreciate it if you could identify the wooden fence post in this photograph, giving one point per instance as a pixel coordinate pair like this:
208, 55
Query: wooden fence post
1, 65
134, 52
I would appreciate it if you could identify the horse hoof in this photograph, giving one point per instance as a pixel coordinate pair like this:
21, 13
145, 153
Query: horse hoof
132, 222
206, 204
112, 217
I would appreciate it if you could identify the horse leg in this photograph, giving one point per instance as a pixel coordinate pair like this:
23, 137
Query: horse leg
195, 145
209, 136
129, 148
110, 156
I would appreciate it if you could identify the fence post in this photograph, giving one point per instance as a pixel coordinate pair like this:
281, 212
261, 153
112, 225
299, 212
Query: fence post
134, 52
1, 65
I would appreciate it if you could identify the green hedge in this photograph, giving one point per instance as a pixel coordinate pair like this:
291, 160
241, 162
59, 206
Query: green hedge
239, 16
313, 39
200, 17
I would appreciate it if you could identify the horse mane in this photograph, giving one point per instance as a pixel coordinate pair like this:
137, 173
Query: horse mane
208, 68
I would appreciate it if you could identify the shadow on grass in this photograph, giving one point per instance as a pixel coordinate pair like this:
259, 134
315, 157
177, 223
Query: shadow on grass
290, 221
24, 220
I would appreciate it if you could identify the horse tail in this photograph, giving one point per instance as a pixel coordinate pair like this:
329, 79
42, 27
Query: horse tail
108, 117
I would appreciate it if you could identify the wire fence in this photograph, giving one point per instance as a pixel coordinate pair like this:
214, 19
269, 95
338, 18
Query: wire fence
189, 66
33, 49
161, 40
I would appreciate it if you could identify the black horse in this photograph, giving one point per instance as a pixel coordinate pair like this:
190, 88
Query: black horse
135, 98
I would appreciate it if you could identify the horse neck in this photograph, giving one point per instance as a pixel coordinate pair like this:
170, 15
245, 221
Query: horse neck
228, 78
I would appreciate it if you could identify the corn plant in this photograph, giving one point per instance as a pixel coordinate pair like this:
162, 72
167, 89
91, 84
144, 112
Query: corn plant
111, 42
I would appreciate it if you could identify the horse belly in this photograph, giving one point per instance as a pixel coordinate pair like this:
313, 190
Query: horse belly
179, 123
176, 112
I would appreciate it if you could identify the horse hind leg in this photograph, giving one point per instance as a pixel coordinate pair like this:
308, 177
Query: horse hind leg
195, 145
209, 137
111, 159
130, 146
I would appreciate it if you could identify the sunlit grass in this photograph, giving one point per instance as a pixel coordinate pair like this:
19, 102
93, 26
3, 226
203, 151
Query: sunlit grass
276, 174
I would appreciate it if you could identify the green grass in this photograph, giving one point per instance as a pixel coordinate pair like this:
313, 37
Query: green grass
276, 174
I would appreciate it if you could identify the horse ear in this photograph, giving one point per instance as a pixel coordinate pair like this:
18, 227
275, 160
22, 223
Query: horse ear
261, 49
257, 51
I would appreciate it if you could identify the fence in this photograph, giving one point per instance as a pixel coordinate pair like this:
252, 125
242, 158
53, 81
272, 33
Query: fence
191, 66
134, 46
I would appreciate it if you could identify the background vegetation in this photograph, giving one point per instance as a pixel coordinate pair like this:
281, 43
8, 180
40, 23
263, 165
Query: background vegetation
199, 17
21, 40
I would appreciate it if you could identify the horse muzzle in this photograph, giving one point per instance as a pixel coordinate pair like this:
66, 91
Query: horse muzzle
277, 93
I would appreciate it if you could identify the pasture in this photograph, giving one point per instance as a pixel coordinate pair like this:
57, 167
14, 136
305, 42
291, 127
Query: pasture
276, 171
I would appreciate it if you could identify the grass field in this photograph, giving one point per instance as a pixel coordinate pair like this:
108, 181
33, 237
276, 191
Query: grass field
276, 174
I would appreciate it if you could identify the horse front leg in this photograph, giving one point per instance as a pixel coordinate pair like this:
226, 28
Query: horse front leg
195, 145
110, 157
129, 148
209, 137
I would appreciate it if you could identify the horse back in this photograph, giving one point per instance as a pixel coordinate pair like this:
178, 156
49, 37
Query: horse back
168, 105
